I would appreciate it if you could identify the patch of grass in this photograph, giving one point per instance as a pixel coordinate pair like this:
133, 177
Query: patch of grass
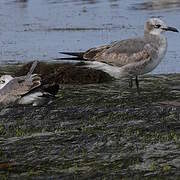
2, 130
4, 177
166, 168
19, 132
153, 166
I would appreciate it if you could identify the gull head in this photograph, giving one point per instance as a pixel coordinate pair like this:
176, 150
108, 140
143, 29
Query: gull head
4, 80
156, 26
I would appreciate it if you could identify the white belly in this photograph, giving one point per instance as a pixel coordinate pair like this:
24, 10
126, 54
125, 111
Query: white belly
31, 98
113, 71
155, 62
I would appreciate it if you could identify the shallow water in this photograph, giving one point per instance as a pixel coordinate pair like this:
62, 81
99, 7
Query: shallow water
38, 29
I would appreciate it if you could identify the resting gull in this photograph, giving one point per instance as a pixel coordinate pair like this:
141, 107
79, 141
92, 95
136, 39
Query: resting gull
26, 89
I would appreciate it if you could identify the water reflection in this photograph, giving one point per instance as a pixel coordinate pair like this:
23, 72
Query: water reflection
72, 1
83, 2
22, 1
157, 5
18, 3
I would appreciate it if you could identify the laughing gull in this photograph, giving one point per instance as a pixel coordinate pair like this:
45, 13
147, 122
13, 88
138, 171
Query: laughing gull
25, 89
130, 57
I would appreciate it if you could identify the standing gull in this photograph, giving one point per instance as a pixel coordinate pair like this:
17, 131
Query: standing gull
25, 89
130, 57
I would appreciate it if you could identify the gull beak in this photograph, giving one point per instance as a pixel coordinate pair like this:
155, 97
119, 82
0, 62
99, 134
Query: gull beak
170, 29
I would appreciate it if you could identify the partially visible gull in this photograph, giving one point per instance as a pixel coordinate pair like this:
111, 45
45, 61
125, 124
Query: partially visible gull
26, 89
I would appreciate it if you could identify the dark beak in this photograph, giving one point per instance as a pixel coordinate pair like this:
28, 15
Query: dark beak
171, 29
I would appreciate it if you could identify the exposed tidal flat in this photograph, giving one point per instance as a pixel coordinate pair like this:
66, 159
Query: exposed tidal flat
97, 130
103, 130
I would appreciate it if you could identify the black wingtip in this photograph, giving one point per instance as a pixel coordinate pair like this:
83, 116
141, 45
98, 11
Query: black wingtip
51, 89
69, 58
76, 54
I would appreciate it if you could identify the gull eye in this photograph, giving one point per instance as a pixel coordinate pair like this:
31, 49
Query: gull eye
157, 26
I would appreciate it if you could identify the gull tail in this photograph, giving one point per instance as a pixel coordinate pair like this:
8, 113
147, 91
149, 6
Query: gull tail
76, 56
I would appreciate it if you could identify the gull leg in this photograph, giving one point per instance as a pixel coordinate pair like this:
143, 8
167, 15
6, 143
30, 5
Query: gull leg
131, 82
137, 85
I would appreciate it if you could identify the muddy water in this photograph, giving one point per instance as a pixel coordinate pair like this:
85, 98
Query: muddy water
38, 29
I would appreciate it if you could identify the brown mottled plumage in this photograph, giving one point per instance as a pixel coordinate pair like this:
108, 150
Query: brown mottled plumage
19, 86
146, 51
130, 57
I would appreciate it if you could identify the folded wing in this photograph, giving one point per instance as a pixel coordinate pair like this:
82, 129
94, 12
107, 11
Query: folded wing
121, 53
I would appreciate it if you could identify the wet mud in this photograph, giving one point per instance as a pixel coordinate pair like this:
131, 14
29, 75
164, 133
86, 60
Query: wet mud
97, 131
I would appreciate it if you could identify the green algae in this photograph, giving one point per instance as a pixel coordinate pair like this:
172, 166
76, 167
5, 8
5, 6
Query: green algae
96, 131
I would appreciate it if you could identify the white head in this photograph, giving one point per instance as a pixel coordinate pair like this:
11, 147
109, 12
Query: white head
4, 80
156, 26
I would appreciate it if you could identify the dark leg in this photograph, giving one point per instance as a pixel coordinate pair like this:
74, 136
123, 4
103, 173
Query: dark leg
137, 85
131, 82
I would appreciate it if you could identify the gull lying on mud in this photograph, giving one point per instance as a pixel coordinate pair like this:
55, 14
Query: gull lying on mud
131, 57
26, 89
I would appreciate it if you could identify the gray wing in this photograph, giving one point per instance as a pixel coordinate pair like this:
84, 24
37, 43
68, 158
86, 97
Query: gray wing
121, 53
18, 87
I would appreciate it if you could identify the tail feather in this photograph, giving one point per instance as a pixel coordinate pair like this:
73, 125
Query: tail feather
69, 58
76, 54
